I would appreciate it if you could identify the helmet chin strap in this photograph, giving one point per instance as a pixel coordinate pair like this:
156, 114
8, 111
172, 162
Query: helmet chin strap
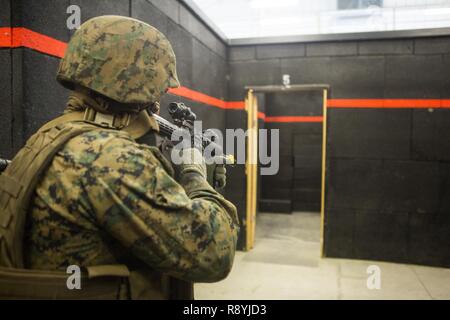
136, 124
85, 98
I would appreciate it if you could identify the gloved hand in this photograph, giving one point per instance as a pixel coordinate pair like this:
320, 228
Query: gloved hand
220, 176
192, 161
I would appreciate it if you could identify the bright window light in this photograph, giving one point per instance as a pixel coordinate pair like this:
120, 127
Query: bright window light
259, 4
239, 19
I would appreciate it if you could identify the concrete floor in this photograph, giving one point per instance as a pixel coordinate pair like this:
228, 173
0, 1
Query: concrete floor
286, 264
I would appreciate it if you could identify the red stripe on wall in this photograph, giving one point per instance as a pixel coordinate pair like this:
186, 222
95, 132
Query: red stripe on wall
203, 98
23, 37
294, 119
388, 103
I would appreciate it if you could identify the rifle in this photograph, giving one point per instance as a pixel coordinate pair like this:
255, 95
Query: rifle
183, 118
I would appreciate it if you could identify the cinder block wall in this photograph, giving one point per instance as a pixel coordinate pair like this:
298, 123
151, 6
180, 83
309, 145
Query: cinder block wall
387, 169
6, 107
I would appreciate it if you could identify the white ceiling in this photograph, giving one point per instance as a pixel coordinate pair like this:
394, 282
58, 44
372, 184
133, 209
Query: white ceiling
263, 18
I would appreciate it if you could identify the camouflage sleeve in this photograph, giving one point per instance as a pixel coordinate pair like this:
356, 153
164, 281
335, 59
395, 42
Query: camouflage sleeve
188, 231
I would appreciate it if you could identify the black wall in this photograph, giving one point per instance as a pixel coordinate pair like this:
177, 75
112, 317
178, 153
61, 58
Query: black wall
388, 181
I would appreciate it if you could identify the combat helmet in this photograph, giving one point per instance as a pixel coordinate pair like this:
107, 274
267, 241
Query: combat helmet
121, 58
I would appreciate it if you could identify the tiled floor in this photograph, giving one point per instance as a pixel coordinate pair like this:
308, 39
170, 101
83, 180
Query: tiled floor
286, 264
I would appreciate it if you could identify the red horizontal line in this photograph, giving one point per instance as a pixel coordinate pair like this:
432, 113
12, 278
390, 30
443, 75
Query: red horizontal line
294, 119
23, 37
262, 116
389, 103
203, 98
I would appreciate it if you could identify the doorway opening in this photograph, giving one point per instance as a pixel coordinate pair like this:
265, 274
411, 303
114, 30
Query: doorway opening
299, 113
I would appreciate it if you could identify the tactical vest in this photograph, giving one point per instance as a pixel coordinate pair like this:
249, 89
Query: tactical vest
17, 185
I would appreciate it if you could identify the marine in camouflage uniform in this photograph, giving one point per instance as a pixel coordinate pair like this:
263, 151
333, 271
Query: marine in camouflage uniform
107, 199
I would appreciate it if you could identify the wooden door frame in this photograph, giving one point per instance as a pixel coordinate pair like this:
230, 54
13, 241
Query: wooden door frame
250, 104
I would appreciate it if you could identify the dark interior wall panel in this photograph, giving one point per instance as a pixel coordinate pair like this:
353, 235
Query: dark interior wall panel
332, 49
5, 13
90, 9
219, 75
383, 47
201, 32
354, 184
431, 135
281, 192
306, 199
383, 186
303, 160
294, 104
348, 76
182, 44
308, 145
444, 192
209, 71
17, 112
385, 165
381, 236
356, 77
286, 134
43, 97
201, 65
414, 76
428, 233
445, 94
49, 18
307, 70
340, 227
236, 193
369, 133
171, 8
280, 51
432, 45
241, 53
410, 186
245, 73
6, 103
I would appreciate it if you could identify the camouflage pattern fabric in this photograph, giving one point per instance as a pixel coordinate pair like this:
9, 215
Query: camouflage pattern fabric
121, 58
106, 199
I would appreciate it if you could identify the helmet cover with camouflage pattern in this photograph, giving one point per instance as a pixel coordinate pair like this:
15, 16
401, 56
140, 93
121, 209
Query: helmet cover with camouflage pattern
121, 58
